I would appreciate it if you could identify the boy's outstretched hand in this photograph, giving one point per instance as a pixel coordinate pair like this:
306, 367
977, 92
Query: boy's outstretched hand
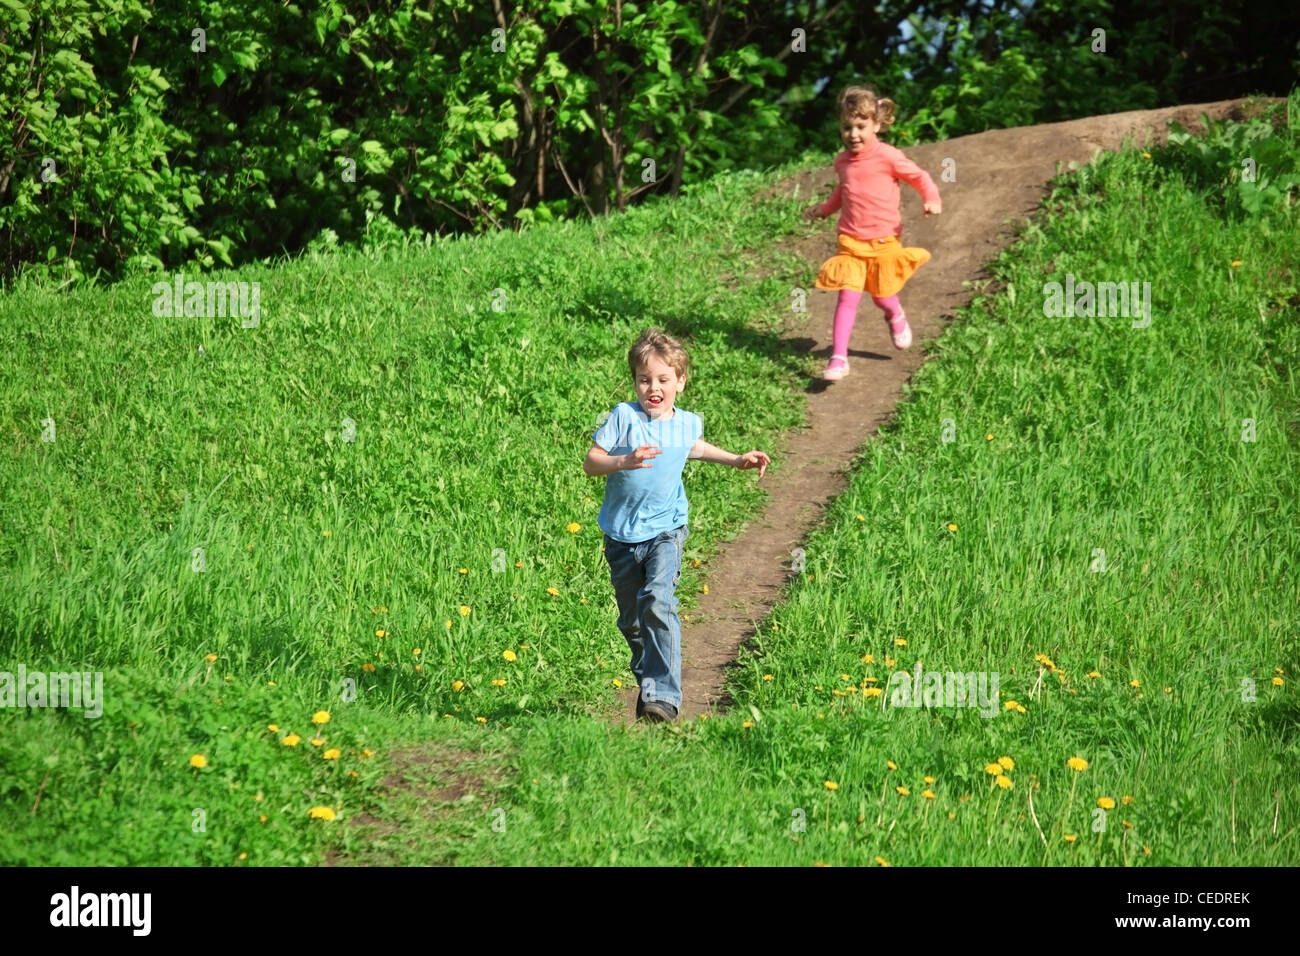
813, 212
754, 459
933, 208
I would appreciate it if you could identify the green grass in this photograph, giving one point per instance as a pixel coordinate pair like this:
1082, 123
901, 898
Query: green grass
1104, 438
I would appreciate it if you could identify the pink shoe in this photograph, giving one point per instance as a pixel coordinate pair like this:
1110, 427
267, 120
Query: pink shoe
836, 368
901, 331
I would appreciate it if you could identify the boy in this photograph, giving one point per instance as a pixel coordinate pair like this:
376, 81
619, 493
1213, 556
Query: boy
643, 446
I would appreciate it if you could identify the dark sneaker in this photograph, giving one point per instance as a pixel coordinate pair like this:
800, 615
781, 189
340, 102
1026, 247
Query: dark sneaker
657, 711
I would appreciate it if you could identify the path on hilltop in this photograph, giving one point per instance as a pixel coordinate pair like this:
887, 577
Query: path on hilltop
1001, 177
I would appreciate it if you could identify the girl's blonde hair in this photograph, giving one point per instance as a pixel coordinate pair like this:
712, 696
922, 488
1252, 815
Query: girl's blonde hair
862, 102
667, 348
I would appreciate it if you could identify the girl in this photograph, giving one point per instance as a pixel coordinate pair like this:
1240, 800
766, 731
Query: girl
870, 257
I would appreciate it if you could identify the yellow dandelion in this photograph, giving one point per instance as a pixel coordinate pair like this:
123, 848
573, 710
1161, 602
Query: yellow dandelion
262, 818
832, 785
868, 658
1093, 675
1077, 763
1020, 709
583, 600
951, 815
458, 685
509, 655
993, 769
952, 526
198, 760
381, 633
902, 791
318, 741
353, 775
368, 667
273, 728
872, 692
1106, 803
927, 793
1278, 670
1278, 682
447, 624
1069, 838
871, 680
415, 652
616, 682
464, 610
519, 564
1003, 781
860, 517
366, 754
704, 589
1007, 763
322, 813
1146, 155
1146, 851
481, 720
1128, 824
747, 724
499, 682
271, 683
210, 658
890, 662
891, 765
1236, 263
988, 436
1169, 690
332, 754
881, 861
291, 740
900, 642
1135, 683
573, 527
1126, 800
767, 677
553, 592
419, 668
320, 717
929, 779
326, 533
821, 863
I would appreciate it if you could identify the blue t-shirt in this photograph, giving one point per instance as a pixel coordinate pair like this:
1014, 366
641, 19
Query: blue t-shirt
643, 502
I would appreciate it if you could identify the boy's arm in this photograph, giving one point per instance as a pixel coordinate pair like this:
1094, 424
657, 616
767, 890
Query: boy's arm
822, 210
703, 451
600, 462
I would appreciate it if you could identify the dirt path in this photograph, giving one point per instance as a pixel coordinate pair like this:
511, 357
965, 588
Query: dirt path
1001, 176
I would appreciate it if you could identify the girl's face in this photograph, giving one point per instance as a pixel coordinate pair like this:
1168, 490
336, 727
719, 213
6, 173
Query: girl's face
858, 133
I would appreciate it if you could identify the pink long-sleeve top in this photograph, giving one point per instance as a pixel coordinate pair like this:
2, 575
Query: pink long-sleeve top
868, 193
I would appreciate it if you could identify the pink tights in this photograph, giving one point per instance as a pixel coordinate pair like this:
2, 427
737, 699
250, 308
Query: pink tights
847, 310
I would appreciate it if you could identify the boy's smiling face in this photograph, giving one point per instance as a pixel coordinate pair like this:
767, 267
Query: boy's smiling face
657, 386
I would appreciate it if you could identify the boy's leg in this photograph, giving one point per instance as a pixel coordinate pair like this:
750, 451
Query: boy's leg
628, 577
660, 627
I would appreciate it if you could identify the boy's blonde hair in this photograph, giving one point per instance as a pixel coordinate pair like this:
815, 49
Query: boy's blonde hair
862, 102
655, 342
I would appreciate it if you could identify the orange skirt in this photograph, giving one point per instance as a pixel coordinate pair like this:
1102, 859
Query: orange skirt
878, 266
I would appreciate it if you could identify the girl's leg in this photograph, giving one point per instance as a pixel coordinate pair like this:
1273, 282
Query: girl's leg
898, 327
846, 311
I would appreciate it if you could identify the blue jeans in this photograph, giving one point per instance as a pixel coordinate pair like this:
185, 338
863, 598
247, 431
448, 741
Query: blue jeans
645, 577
